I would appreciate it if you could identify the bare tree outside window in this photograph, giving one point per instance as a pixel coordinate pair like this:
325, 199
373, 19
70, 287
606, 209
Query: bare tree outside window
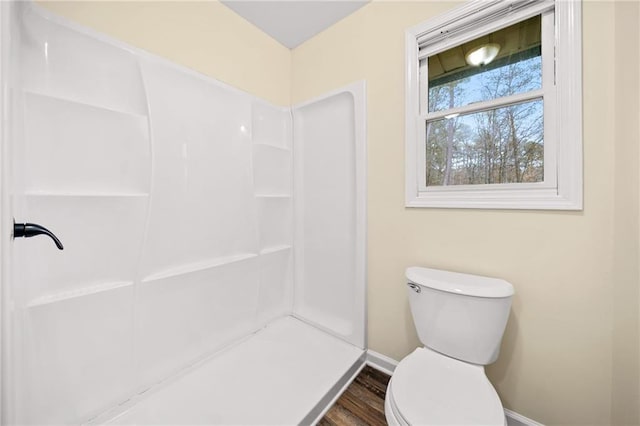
504, 144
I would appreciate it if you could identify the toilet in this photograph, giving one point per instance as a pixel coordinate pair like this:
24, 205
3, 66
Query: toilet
460, 319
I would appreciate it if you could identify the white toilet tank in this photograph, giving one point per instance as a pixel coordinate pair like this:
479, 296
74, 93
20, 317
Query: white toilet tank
459, 315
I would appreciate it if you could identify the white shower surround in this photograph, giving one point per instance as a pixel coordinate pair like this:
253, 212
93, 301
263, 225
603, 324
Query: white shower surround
181, 187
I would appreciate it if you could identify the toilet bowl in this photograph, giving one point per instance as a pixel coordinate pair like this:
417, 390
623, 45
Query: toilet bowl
460, 319
428, 388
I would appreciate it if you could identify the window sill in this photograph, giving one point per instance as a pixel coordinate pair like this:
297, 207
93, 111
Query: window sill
527, 199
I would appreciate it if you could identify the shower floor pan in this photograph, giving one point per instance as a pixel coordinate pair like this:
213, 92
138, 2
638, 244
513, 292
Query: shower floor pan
285, 374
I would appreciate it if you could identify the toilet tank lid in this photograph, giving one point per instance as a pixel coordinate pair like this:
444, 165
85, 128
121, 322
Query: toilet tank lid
455, 282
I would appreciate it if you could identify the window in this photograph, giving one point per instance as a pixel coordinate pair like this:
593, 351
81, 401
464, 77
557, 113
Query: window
494, 107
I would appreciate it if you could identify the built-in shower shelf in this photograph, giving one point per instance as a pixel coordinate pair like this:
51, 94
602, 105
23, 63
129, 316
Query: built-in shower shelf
274, 146
73, 194
273, 195
198, 266
275, 249
84, 103
75, 293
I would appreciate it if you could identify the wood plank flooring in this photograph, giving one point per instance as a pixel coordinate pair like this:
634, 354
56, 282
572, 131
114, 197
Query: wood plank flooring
362, 403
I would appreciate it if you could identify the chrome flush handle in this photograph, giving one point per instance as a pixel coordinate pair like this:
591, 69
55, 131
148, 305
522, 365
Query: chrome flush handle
414, 287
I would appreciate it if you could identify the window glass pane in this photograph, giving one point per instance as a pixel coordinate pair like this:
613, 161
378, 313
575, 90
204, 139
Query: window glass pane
501, 145
453, 79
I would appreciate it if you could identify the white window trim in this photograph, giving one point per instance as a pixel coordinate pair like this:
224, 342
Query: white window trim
563, 194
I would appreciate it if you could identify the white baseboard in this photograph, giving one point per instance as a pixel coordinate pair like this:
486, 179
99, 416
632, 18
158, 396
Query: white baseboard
515, 419
388, 365
381, 362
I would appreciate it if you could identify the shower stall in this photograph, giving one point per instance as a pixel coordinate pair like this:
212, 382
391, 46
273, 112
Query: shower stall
213, 269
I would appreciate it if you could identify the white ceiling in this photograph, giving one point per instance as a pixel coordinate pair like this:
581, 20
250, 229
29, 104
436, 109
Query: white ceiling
292, 22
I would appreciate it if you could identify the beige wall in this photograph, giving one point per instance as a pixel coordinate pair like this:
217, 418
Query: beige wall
556, 361
203, 35
570, 354
626, 350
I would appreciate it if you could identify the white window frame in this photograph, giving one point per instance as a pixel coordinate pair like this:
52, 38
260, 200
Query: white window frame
562, 93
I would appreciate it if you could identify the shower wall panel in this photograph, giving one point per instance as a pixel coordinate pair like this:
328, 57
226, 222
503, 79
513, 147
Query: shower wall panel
82, 168
56, 135
202, 198
330, 219
172, 195
186, 316
60, 61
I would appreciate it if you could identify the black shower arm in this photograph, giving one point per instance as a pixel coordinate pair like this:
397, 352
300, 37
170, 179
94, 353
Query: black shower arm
28, 230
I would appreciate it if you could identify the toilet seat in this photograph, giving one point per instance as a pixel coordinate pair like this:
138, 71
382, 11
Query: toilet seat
428, 388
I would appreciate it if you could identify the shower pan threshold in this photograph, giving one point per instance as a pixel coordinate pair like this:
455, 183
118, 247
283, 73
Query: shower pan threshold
287, 373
